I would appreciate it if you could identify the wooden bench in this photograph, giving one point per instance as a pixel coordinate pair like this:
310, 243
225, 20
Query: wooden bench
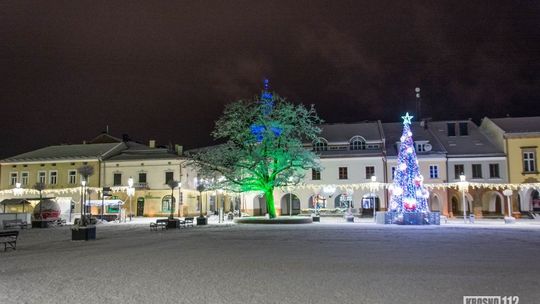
9, 238
158, 224
18, 223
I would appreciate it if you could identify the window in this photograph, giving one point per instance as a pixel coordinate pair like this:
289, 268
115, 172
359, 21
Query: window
24, 178
463, 129
343, 173
117, 179
42, 176
393, 172
315, 174
169, 176
433, 171
166, 203
320, 145
53, 177
529, 164
13, 178
357, 143
451, 129
142, 177
458, 170
476, 171
494, 171
72, 177
421, 147
370, 171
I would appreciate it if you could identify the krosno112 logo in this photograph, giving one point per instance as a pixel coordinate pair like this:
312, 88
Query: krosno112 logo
490, 300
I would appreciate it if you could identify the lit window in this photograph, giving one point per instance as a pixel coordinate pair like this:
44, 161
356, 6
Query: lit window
166, 203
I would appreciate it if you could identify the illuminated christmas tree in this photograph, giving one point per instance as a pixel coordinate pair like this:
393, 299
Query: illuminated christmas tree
408, 192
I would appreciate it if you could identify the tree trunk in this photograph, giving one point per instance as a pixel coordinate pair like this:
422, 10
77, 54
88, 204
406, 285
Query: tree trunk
269, 196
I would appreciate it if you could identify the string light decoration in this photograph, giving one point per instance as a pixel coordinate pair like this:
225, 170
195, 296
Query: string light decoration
409, 196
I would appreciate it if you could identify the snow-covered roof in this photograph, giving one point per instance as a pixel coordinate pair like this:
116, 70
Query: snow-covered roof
68, 152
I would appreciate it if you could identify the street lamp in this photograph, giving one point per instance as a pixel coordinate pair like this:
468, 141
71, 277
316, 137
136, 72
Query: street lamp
463, 187
328, 191
201, 185
373, 197
509, 219
18, 191
83, 198
173, 184
130, 192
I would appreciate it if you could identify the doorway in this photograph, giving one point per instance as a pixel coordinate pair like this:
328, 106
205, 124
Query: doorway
140, 206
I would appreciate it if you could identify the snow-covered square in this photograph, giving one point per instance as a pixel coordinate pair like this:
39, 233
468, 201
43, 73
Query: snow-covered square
324, 262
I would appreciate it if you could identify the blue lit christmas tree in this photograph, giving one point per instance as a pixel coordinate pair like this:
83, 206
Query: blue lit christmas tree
408, 204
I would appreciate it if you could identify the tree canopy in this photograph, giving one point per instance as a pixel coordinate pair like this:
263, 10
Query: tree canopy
263, 146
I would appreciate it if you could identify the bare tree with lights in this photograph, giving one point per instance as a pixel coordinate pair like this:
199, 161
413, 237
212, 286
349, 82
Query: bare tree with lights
263, 146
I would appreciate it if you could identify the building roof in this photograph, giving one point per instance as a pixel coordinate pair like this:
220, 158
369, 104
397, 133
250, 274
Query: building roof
339, 135
394, 130
518, 124
343, 132
136, 151
475, 144
67, 152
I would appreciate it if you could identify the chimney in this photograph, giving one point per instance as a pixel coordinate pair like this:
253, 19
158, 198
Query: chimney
179, 149
152, 143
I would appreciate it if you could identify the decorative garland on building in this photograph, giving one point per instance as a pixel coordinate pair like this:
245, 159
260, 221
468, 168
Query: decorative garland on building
368, 186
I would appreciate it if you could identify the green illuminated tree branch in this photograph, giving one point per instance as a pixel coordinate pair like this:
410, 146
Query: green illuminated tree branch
263, 149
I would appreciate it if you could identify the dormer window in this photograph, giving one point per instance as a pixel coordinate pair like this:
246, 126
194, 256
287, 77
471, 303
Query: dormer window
422, 146
357, 143
451, 129
463, 129
320, 145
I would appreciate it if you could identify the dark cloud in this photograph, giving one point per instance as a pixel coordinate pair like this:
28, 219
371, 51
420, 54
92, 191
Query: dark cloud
164, 69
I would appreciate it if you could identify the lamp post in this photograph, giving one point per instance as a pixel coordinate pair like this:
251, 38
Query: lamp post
173, 184
509, 219
201, 185
130, 192
83, 198
328, 192
373, 201
17, 191
463, 185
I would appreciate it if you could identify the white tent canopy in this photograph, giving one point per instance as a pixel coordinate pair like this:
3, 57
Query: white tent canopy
113, 202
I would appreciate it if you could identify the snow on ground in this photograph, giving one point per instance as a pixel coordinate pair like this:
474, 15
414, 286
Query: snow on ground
329, 262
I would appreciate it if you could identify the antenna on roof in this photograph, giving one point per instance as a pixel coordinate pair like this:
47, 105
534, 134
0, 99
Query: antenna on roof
418, 103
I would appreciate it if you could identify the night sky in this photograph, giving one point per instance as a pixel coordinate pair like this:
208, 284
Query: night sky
164, 69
